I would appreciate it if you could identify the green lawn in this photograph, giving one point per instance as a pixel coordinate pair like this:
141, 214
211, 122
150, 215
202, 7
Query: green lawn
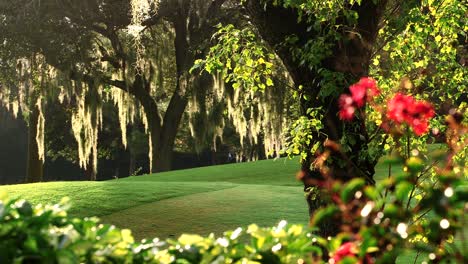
201, 200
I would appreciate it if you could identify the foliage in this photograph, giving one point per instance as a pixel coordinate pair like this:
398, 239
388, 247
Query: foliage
427, 48
300, 136
241, 58
422, 54
249, 82
46, 235
417, 40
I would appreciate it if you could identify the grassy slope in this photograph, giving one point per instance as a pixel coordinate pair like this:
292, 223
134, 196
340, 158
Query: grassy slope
199, 200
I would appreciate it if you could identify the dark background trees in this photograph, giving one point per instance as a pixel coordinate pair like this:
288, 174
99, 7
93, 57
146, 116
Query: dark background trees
88, 42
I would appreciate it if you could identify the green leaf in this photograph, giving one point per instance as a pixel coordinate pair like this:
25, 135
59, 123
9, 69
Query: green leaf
325, 214
371, 192
350, 189
269, 82
415, 164
403, 189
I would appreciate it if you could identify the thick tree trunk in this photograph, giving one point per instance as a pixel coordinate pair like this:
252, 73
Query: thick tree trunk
163, 140
162, 158
162, 133
192, 28
350, 57
34, 164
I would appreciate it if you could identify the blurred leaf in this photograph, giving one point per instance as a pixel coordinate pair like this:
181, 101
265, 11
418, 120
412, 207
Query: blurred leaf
351, 188
325, 214
403, 190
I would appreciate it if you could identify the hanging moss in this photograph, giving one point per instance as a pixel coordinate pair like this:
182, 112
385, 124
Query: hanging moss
140, 10
40, 130
86, 122
28, 90
255, 115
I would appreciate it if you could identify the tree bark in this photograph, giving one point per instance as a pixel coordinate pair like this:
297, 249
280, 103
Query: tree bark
191, 28
34, 163
90, 173
132, 164
162, 133
350, 56
162, 158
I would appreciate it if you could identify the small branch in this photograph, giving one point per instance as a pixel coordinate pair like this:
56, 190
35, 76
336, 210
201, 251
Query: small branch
386, 189
411, 194
421, 216
417, 256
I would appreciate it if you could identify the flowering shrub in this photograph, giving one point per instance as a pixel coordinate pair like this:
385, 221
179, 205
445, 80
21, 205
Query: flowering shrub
416, 114
400, 109
361, 92
376, 223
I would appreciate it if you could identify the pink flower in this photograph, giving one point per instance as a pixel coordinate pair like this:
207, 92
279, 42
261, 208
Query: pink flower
345, 250
403, 108
358, 93
347, 108
361, 92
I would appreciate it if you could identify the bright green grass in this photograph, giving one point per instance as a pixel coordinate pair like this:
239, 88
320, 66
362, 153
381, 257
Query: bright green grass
103, 198
280, 172
201, 200
217, 211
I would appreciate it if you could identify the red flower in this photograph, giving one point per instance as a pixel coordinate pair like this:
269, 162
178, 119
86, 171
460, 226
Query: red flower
403, 108
419, 127
397, 107
347, 108
358, 93
423, 109
346, 250
365, 88
370, 85
421, 113
361, 91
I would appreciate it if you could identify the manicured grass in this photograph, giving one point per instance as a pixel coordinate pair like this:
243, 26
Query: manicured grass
201, 200
103, 198
217, 211
279, 172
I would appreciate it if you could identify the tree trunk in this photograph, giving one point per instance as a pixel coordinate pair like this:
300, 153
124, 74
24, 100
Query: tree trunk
163, 134
34, 164
132, 164
351, 57
90, 173
162, 158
